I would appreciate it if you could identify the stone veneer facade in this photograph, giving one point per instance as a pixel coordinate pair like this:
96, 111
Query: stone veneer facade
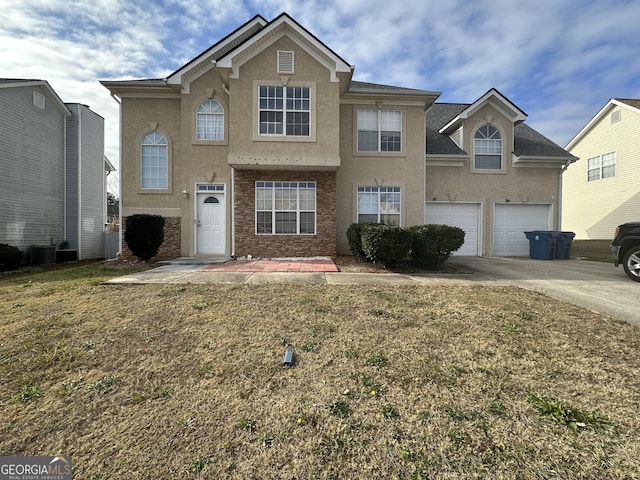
247, 242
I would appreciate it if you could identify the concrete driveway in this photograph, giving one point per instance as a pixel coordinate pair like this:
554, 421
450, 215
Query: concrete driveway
597, 286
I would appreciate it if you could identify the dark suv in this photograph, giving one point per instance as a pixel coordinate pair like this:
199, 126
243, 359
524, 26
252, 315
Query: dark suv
625, 248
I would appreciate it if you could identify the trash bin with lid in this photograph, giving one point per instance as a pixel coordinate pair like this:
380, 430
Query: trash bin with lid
542, 244
563, 244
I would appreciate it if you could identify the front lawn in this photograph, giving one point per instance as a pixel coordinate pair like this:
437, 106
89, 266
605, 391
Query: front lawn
186, 381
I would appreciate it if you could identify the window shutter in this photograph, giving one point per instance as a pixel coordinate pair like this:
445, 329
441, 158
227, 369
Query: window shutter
285, 62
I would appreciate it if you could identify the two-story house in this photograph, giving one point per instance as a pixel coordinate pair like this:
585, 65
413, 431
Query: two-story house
53, 184
601, 191
264, 145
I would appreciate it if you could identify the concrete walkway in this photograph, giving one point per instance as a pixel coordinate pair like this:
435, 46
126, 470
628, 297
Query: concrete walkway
597, 286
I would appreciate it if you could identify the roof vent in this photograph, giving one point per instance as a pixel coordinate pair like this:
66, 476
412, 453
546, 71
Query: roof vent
616, 116
38, 99
285, 62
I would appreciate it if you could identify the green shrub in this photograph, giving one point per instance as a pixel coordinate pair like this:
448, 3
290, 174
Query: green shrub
433, 244
354, 237
10, 257
385, 244
144, 234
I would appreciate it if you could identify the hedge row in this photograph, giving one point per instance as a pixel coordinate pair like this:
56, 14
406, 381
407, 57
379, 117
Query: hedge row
428, 246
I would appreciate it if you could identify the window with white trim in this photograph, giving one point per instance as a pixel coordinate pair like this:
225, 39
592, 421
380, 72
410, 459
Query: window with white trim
379, 205
487, 149
284, 111
286, 208
210, 121
154, 171
601, 166
379, 130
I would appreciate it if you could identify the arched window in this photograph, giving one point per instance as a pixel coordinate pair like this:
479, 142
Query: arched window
154, 161
488, 148
210, 121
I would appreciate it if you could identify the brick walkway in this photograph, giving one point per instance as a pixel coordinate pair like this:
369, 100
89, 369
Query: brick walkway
314, 265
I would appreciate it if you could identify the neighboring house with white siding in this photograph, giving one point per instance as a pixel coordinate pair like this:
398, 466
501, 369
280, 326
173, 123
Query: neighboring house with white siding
53, 183
601, 190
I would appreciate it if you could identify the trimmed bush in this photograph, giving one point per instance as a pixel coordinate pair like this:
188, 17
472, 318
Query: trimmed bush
354, 237
10, 257
385, 244
433, 244
144, 234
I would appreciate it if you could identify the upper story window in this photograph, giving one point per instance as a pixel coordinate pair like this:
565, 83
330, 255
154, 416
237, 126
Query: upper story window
210, 121
487, 148
601, 166
379, 130
154, 161
284, 111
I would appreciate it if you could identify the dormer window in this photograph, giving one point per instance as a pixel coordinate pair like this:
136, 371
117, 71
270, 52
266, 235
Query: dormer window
487, 148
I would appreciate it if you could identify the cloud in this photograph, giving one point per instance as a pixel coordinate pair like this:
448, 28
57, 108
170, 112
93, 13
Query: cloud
558, 61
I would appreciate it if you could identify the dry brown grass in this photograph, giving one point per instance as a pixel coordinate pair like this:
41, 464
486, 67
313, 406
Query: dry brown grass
594, 250
397, 382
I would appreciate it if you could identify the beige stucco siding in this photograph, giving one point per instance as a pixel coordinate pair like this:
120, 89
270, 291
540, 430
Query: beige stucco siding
405, 171
593, 209
518, 185
262, 70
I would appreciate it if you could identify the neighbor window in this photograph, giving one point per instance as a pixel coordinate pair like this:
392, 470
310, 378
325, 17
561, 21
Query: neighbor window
488, 148
379, 205
602, 166
286, 208
154, 161
284, 111
379, 130
210, 121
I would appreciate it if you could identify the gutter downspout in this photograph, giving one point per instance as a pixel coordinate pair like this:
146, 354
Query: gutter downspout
233, 213
562, 170
64, 207
120, 182
79, 182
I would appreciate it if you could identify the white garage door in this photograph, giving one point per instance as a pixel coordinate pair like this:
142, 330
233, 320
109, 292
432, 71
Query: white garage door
463, 215
510, 223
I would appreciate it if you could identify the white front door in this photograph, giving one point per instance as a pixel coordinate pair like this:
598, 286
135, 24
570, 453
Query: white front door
211, 224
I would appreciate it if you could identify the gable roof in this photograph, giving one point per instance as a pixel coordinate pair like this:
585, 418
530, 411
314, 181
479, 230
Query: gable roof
43, 84
273, 31
497, 100
528, 143
219, 49
237, 48
627, 103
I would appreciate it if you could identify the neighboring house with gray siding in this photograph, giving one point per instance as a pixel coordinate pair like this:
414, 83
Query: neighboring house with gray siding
53, 187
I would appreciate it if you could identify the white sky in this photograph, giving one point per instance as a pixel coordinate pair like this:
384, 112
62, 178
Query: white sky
559, 60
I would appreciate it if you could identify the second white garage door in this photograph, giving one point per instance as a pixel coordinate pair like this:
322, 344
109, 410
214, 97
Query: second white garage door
510, 223
463, 215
